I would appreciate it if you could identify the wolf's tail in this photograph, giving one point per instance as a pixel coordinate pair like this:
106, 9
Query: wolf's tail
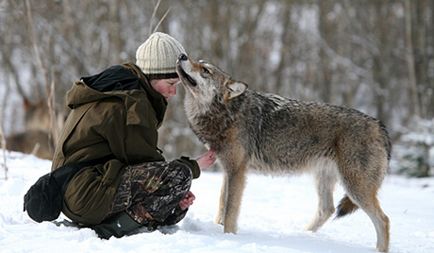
346, 206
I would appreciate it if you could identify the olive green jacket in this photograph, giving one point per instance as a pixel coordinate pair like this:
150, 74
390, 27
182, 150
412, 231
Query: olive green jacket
113, 113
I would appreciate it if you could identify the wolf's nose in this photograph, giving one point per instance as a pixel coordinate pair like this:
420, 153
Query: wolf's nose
182, 57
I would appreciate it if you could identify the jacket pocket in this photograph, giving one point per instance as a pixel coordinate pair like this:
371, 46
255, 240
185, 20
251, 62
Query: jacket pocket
112, 170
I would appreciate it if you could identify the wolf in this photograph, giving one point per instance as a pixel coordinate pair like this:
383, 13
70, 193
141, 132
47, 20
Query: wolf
275, 135
39, 136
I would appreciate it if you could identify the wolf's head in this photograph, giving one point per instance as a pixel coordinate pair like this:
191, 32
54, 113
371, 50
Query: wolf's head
206, 82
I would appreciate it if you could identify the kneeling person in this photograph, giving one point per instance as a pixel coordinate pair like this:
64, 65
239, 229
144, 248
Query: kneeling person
115, 115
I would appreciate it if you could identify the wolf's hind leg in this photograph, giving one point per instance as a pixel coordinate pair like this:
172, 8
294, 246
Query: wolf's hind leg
367, 200
381, 223
325, 182
362, 188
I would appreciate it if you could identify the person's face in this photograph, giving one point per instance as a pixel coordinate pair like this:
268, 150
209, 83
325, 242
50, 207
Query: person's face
166, 87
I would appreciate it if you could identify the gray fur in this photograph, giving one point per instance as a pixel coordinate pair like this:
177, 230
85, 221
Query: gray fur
272, 134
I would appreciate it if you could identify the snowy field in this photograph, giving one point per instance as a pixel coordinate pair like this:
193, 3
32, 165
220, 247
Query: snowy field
273, 215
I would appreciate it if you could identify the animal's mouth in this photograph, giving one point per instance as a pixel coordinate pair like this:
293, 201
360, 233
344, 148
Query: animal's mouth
184, 76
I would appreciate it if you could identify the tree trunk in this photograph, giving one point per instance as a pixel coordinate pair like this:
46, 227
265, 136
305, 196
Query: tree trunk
414, 100
325, 31
279, 72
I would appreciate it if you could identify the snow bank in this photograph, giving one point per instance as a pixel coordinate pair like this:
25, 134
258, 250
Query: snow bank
272, 219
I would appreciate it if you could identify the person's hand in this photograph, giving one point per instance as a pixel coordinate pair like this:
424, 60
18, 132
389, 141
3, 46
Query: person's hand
206, 160
187, 201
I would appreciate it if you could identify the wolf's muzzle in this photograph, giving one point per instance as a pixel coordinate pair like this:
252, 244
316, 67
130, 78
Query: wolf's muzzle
182, 57
181, 72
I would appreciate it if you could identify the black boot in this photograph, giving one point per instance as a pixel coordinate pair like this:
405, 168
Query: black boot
118, 226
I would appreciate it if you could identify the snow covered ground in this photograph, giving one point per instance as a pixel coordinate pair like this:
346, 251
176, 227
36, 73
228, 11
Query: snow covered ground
273, 215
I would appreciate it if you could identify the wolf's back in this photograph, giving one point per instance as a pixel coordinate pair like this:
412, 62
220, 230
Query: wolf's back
282, 132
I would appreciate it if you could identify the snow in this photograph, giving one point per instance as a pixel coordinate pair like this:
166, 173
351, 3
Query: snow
272, 219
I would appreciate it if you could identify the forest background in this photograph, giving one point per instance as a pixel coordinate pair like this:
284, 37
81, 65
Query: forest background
375, 56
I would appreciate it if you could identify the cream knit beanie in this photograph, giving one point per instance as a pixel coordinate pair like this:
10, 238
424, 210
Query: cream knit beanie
157, 56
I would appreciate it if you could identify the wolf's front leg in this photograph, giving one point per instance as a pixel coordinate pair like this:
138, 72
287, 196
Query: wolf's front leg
222, 202
235, 187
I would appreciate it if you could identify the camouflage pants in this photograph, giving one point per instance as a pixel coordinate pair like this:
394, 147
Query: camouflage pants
150, 192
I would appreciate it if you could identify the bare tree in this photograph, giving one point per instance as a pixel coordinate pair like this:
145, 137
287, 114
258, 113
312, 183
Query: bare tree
3, 146
284, 52
419, 25
414, 103
2, 136
344, 52
326, 32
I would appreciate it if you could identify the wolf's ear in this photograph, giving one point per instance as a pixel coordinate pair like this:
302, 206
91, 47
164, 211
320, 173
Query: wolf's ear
235, 89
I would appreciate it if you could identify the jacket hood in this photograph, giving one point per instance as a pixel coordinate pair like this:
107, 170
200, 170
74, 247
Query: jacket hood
116, 81
113, 81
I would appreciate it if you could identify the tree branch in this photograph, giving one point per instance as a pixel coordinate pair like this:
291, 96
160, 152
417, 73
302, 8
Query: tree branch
35, 45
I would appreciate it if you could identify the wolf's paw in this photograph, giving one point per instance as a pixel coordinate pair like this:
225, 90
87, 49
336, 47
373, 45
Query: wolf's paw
228, 229
219, 220
382, 248
311, 227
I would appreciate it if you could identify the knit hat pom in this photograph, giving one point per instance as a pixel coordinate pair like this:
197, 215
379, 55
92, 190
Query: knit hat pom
157, 56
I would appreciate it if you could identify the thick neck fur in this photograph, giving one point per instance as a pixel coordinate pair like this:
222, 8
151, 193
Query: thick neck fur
212, 122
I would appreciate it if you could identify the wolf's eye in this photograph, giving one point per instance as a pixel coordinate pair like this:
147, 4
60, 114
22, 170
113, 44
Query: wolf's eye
205, 72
